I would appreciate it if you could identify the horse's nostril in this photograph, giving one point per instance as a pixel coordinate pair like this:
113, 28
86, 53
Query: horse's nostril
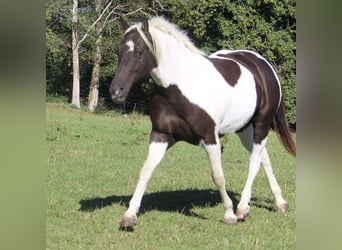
119, 91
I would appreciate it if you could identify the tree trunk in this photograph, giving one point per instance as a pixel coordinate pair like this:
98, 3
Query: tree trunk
75, 59
95, 79
95, 76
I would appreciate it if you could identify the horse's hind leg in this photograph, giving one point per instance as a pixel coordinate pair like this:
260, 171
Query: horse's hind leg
281, 203
258, 156
155, 154
246, 137
214, 155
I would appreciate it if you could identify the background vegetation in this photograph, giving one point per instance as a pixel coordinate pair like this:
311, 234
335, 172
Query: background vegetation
266, 26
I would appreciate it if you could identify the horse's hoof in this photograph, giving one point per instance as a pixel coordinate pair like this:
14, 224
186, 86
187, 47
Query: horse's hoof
127, 223
230, 220
242, 213
283, 207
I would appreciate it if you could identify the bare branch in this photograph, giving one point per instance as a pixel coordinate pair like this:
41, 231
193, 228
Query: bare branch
110, 13
131, 13
93, 25
160, 5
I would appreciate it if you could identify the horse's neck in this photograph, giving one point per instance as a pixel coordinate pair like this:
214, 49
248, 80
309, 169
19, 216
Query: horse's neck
175, 61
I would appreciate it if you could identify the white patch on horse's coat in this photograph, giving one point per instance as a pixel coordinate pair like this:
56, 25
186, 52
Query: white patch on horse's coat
130, 45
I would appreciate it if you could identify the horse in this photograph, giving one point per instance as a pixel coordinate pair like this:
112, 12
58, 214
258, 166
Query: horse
199, 99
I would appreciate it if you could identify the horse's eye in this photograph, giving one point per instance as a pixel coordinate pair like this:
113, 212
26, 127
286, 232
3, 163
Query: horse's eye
139, 53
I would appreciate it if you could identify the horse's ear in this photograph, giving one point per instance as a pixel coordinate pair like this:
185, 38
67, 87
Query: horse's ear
144, 26
124, 24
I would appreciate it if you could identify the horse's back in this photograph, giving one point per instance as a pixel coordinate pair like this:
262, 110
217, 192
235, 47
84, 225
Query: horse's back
266, 80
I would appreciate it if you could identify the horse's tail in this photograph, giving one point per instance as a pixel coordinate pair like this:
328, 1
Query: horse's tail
282, 130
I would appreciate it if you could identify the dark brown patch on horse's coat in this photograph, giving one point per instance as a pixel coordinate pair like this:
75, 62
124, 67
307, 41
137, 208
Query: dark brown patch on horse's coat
229, 69
175, 118
266, 82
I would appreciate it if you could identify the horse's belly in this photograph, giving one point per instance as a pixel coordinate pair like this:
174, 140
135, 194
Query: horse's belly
232, 125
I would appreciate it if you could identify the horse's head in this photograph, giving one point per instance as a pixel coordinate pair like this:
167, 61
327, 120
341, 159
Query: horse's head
136, 60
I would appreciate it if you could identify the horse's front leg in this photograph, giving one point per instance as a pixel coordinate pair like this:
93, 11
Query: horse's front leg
214, 155
155, 154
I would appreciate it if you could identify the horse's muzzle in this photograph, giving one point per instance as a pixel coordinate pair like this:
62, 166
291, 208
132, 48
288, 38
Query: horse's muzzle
118, 96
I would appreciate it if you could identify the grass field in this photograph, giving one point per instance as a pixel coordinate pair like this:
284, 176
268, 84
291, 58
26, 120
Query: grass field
93, 166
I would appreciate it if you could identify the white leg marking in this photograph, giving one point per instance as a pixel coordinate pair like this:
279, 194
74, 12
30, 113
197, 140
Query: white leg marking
281, 203
155, 155
214, 155
130, 45
246, 137
254, 167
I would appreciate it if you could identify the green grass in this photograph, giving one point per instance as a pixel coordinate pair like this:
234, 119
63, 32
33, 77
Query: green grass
93, 166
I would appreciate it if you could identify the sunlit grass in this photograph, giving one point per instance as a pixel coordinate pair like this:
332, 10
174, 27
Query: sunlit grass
93, 166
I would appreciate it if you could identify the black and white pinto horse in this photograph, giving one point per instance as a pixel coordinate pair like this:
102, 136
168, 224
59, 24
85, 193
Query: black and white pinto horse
200, 99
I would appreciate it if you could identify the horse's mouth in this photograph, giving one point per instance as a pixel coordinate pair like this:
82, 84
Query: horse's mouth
118, 99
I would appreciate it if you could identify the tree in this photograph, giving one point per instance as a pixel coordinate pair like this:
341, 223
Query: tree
95, 77
93, 94
75, 58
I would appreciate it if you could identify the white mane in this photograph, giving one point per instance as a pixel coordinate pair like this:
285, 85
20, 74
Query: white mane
165, 26
161, 24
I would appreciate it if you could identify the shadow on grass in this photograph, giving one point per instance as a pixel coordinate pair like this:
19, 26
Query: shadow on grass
182, 201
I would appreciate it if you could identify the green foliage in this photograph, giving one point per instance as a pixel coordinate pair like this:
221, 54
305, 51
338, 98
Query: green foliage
93, 163
58, 47
265, 26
